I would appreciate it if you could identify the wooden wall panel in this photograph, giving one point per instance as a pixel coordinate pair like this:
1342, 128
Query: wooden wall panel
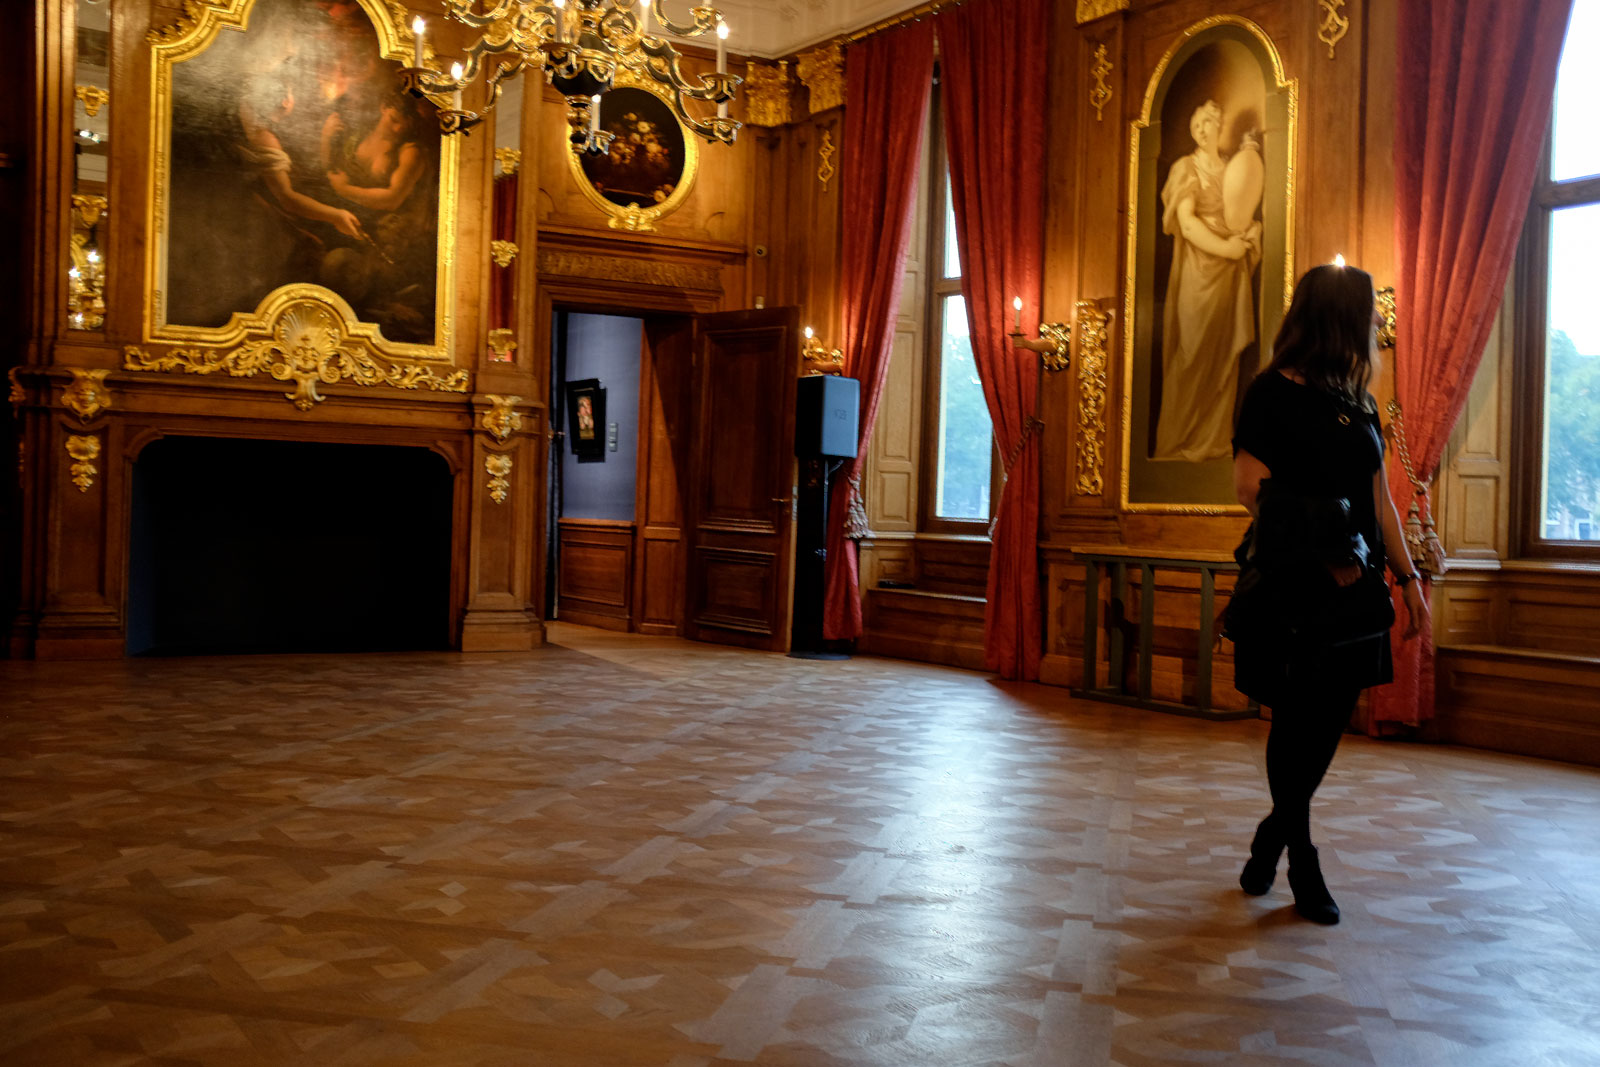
596, 576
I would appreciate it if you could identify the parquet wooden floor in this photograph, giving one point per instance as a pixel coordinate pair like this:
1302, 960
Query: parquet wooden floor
632, 852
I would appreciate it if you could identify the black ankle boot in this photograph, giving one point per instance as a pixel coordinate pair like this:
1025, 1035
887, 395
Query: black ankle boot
1311, 897
1262, 867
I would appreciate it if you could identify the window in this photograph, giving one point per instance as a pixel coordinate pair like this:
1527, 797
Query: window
960, 453
1560, 319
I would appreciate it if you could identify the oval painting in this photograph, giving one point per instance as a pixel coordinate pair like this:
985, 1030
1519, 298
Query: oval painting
645, 165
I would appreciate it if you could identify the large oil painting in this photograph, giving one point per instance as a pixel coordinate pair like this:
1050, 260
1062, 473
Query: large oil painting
1209, 248
295, 159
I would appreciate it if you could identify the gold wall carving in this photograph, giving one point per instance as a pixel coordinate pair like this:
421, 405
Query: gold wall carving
84, 450
190, 36
86, 395
510, 160
1100, 95
825, 154
1385, 300
766, 93
93, 96
502, 419
503, 252
1333, 27
498, 466
1093, 333
19, 395
303, 334
622, 269
1089, 10
822, 73
502, 342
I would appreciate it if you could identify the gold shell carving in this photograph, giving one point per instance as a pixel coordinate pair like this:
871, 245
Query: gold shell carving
502, 419
498, 466
83, 450
822, 72
766, 93
93, 96
86, 395
503, 252
306, 341
1093, 334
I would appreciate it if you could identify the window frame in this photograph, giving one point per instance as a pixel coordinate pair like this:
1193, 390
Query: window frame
939, 289
1530, 325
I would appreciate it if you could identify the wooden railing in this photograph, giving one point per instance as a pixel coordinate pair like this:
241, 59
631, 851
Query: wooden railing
1116, 562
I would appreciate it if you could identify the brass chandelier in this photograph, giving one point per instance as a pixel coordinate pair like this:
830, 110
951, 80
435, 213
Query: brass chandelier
580, 45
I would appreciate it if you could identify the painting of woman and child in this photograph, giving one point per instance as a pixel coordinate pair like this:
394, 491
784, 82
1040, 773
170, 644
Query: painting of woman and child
296, 159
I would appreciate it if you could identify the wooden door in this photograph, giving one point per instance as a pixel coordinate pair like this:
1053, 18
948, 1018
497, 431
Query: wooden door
741, 514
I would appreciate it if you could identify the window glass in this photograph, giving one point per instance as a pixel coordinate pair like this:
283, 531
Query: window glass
1570, 509
952, 250
965, 434
1575, 142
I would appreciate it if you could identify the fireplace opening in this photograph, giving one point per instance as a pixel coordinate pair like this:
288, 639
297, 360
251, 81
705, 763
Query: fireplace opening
249, 546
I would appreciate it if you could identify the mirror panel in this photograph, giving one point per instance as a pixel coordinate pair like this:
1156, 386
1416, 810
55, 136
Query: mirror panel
91, 144
502, 337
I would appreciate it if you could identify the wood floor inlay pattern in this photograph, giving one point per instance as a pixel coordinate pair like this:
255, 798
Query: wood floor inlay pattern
629, 852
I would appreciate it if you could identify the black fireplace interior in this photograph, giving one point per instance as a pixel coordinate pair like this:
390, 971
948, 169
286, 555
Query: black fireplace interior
274, 546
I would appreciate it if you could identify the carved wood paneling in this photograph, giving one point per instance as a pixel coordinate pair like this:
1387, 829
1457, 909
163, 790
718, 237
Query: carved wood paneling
596, 578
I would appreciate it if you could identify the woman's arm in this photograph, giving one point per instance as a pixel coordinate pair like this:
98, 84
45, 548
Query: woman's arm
1204, 238
391, 196
1248, 473
1394, 543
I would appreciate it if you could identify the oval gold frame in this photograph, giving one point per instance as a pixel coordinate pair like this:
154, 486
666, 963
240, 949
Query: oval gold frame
637, 218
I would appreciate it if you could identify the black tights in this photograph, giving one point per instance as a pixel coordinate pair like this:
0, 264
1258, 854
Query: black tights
1305, 733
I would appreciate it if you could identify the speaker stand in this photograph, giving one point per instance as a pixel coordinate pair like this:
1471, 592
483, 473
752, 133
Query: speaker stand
810, 560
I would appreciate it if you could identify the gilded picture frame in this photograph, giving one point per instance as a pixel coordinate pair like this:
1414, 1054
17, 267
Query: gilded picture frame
631, 187
353, 277
1210, 259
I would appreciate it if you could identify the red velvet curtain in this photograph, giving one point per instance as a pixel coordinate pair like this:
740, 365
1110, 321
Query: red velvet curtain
995, 60
1476, 78
889, 78
502, 299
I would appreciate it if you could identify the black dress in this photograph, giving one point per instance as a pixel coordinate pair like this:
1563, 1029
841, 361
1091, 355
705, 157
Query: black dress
1314, 445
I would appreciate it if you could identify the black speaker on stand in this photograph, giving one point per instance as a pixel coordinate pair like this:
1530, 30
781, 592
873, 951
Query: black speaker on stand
827, 413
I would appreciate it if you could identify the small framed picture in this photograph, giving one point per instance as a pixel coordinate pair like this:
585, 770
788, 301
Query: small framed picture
586, 419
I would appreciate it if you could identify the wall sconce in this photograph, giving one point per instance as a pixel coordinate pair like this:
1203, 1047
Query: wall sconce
821, 360
1054, 346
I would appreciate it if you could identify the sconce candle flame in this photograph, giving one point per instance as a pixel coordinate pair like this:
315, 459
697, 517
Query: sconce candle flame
1338, 260
1016, 305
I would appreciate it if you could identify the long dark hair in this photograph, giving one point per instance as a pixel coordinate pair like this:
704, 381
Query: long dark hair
1326, 336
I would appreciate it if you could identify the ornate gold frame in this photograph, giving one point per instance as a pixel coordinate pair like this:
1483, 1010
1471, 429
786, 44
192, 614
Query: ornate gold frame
641, 219
1290, 87
189, 37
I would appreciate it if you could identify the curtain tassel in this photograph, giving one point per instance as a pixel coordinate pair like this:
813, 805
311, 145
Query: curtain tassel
1422, 538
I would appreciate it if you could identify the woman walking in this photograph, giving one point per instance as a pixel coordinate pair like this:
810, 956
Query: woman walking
1311, 615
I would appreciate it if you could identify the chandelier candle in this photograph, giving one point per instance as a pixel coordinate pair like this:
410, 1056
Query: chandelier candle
455, 94
722, 47
417, 26
561, 20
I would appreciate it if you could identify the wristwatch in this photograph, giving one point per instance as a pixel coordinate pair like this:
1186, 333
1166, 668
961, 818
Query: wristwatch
1403, 580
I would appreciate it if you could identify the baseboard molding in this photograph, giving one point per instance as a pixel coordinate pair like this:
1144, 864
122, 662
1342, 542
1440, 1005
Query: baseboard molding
1528, 702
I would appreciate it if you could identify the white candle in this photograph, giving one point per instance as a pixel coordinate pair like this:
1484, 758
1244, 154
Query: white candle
808, 333
645, 22
594, 114
455, 94
1016, 304
722, 47
417, 27
561, 19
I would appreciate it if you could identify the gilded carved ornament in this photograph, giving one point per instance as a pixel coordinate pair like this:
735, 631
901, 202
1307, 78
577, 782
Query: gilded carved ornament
1093, 335
86, 395
304, 337
503, 252
822, 73
502, 419
825, 155
510, 160
502, 342
84, 450
93, 96
624, 269
498, 467
1385, 300
1089, 10
766, 93
1100, 95
19, 395
1333, 27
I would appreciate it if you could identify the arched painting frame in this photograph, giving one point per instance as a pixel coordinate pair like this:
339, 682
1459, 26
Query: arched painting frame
1197, 326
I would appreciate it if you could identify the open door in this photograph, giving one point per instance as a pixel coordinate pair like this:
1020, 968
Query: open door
741, 499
